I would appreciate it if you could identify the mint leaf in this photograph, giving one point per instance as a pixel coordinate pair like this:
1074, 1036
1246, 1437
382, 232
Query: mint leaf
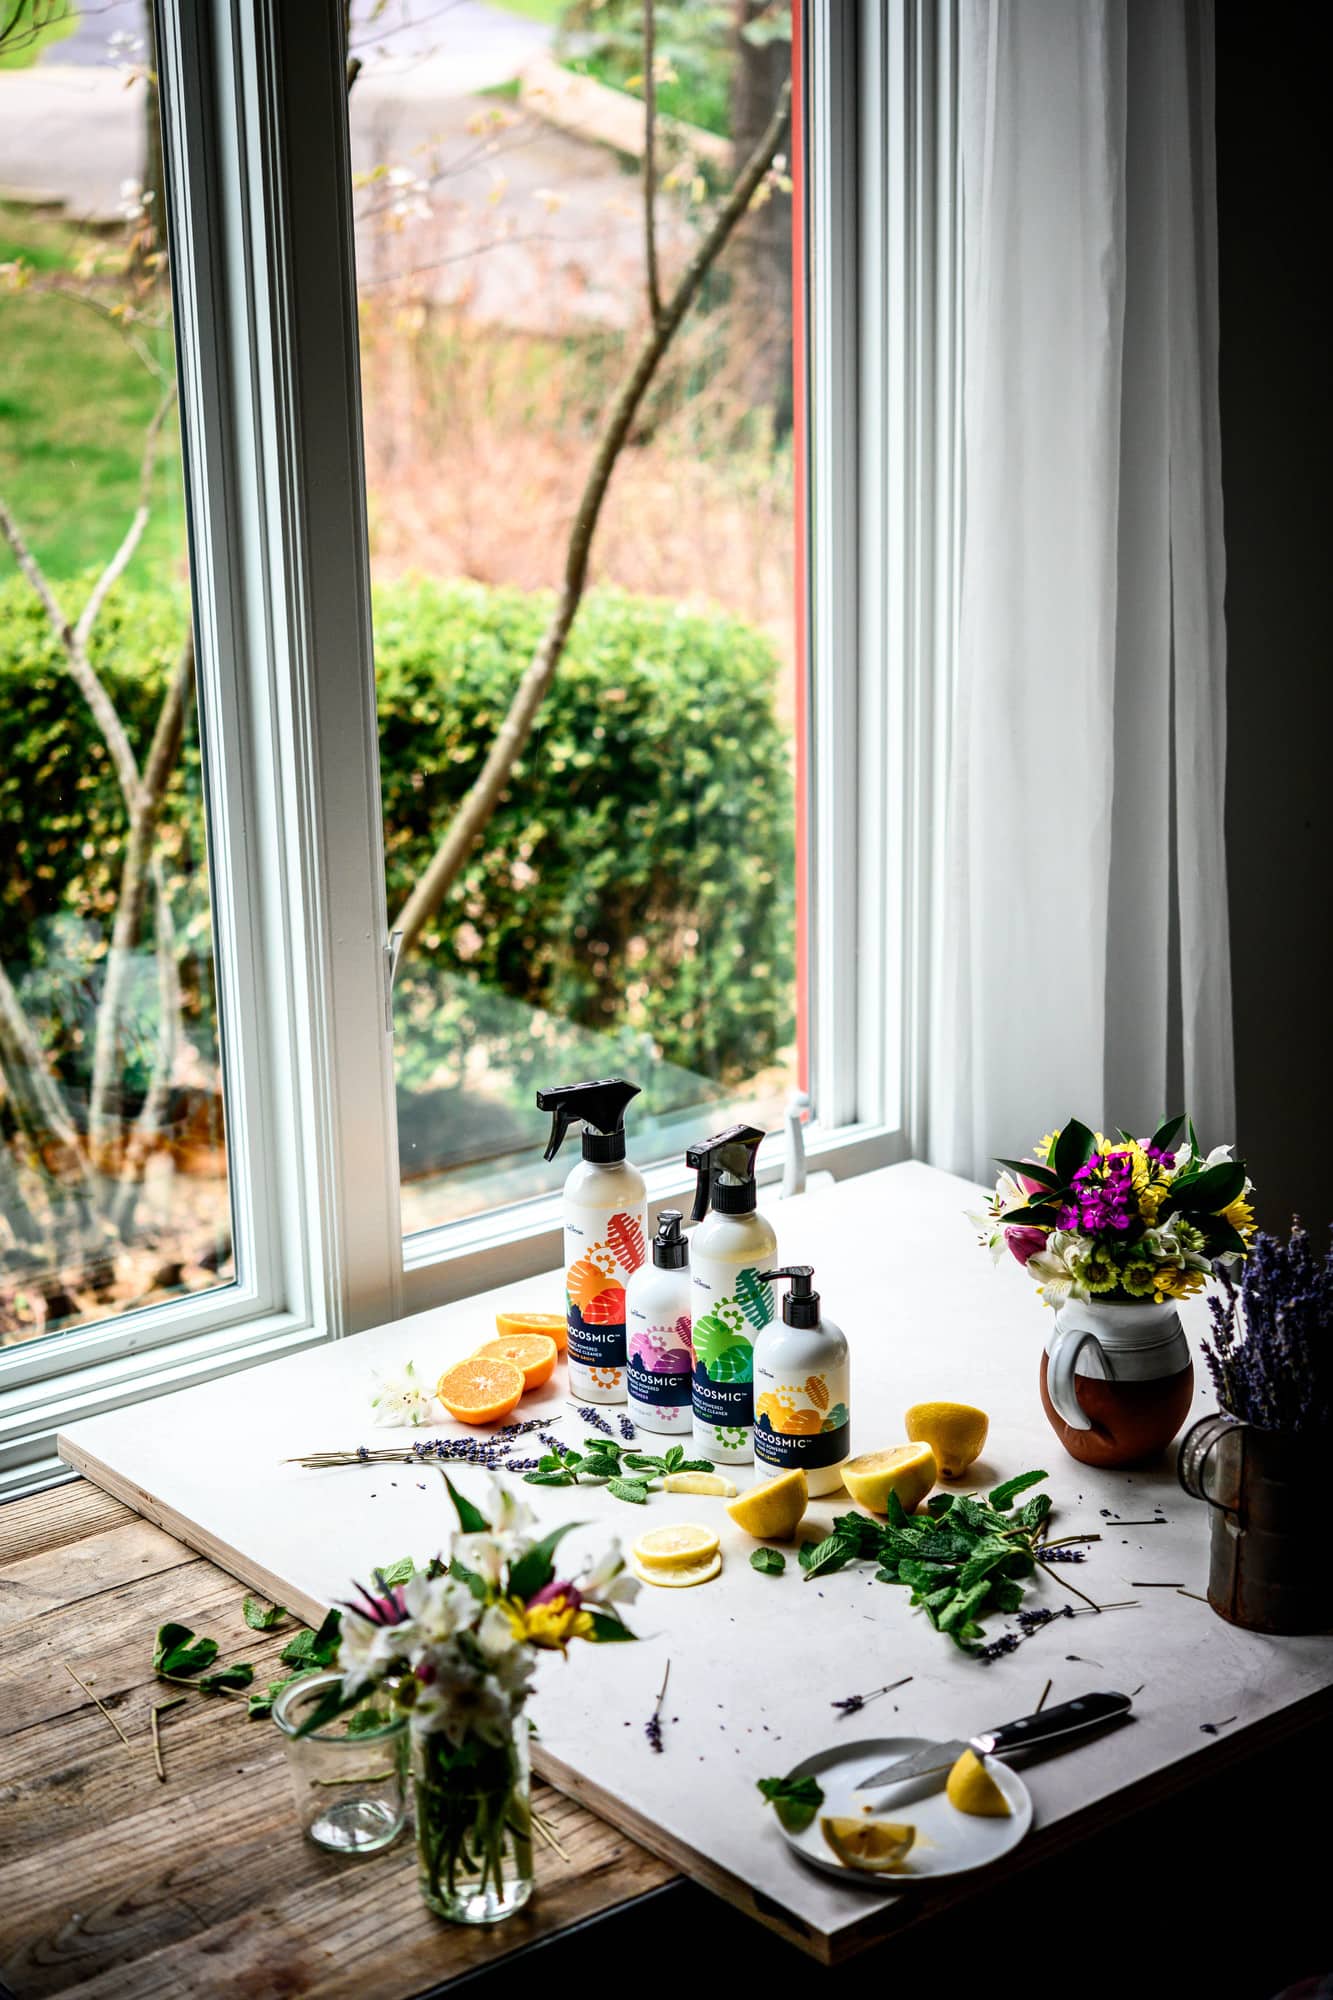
795, 1800
830, 1554
675, 1457
695, 1465
260, 1705
400, 1572
561, 1478
366, 1721
238, 1675
1002, 1495
177, 1651
262, 1617
314, 1649
769, 1562
635, 1490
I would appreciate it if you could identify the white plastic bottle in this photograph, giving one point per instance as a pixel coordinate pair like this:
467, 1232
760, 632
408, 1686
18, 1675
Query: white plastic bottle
605, 1217
802, 1389
657, 1301
733, 1303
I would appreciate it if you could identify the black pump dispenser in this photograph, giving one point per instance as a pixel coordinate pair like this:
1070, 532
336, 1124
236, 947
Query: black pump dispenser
601, 1106
800, 1306
725, 1167
670, 1250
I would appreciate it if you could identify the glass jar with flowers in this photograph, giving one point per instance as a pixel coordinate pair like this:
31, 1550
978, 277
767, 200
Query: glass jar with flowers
1116, 1232
455, 1647
1261, 1462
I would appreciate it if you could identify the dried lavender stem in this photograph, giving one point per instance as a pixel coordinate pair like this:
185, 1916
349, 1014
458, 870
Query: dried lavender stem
97, 1704
160, 1708
1052, 1571
1042, 1703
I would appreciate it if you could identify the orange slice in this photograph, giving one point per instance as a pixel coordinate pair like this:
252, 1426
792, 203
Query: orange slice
480, 1391
534, 1353
551, 1324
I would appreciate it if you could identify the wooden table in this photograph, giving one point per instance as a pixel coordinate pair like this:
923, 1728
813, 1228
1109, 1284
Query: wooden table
115, 1884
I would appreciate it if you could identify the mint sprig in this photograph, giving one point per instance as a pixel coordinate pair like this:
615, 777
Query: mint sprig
628, 1475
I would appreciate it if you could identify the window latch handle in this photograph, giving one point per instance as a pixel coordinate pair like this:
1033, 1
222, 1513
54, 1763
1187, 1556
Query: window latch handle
393, 951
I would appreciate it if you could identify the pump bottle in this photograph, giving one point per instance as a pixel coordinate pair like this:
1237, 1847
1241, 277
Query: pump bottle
604, 1219
657, 1301
802, 1388
733, 1302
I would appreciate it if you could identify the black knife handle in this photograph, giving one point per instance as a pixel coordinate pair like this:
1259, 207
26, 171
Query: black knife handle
1064, 1719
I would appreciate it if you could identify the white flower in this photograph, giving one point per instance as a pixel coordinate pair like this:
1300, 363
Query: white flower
402, 1399
461, 1702
366, 1651
510, 1517
439, 1606
607, 1581
495, 1635
1051, 1268
483, 1552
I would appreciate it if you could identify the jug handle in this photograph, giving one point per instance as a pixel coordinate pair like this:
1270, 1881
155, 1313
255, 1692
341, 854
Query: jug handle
1062, 1360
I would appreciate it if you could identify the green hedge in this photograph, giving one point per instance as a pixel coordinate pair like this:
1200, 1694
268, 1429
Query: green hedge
637, 876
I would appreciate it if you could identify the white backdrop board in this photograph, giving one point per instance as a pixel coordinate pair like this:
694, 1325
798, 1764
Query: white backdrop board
757, 1661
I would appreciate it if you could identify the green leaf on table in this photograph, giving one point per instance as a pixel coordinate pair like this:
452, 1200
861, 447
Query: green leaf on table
695, 1465
639, 1461
365, 1721
987, 1555
177, 1651
260, 1705
238, 1675
831, 1554
895, 1514
768, 1562
938, 1504
261, 1617
306, 1649
395, 1573
633, 1490
470, 1519
607, 1628
1034, 1511
1003, 1495
675, 1457
795, 1800
549, 1478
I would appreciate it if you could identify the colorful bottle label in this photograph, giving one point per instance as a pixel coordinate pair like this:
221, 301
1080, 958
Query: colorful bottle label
599, 1261
659, 1360
806, 1424
722, 1337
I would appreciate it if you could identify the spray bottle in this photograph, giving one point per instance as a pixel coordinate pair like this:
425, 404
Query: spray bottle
802, 1388
733, 1302
657, 1301
604, 1218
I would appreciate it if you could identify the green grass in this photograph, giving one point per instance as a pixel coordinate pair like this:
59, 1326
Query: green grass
548, 11
75, 401
25, 41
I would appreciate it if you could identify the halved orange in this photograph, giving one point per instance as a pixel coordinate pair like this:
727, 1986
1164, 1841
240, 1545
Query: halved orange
551, 1324
534, 1353
480, 1391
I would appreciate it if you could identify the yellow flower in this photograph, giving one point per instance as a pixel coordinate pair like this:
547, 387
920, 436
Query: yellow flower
1174, 1284
1151, 1198
1043, 1146
1241, 1216
551, 1624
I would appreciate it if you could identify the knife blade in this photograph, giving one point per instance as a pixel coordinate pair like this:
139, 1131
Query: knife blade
1067, 1718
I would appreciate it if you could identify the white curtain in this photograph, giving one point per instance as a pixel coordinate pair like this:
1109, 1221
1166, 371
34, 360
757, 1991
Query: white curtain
1085, 958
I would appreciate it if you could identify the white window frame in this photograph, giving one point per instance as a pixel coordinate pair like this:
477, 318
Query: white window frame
255, 135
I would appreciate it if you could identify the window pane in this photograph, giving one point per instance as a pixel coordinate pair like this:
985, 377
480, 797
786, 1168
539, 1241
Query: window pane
629, 904
113, 1169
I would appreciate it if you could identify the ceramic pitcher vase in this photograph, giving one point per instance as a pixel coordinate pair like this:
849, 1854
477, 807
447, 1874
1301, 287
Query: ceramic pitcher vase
1116, 1380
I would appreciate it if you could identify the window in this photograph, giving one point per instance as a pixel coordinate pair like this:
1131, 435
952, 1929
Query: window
629, 902
766, 771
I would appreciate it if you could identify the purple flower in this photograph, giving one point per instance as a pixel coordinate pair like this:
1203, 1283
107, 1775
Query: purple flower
1025, 1241
550, 1592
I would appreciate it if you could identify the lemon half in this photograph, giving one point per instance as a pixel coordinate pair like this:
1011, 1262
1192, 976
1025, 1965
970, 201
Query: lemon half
772, 1512
955, 1432
682, 1576
676, 1546
877, 1845
908, 1470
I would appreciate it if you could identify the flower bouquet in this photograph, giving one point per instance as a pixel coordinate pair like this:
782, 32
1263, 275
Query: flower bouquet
1116, 1232
456, 1647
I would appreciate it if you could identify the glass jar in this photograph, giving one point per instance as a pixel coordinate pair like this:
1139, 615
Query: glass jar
474, 1824
350, 1778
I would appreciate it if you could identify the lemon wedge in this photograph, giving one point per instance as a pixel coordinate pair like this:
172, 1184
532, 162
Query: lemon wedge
876, 1845
908, 1470
676, 1546
971, 1789
683, 1575
699, 1482
955, 1432
772, 1512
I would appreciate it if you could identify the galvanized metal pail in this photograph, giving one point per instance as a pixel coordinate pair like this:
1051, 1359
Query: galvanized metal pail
1268, 1567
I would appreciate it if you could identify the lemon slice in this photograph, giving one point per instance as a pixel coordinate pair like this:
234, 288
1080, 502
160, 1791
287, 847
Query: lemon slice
772, 1512
675, 1546
876, 1845
699, 1482
683, 1575
971, 1789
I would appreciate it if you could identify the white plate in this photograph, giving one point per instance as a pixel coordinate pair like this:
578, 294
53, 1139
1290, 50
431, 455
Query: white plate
948, 1842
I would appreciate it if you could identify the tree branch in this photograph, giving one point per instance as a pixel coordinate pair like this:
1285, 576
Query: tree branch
481, 800
650, 163
120, 561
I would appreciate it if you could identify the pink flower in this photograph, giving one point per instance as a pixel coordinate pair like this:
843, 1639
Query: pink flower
550, 1592
1025, 1241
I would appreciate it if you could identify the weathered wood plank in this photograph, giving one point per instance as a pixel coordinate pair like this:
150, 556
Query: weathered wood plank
114, 1883
53, 1519
50, 1578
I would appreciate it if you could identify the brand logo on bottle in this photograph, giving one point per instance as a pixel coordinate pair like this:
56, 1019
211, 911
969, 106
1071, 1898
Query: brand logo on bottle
799, 1423
659, 1361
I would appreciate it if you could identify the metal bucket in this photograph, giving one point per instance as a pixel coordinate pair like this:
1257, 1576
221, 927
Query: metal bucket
1268, 1567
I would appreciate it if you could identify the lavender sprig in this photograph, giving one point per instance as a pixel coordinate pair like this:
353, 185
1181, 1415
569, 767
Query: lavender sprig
652, 1728
591, 1416
627, 1430
1271, 1357
851, 1704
